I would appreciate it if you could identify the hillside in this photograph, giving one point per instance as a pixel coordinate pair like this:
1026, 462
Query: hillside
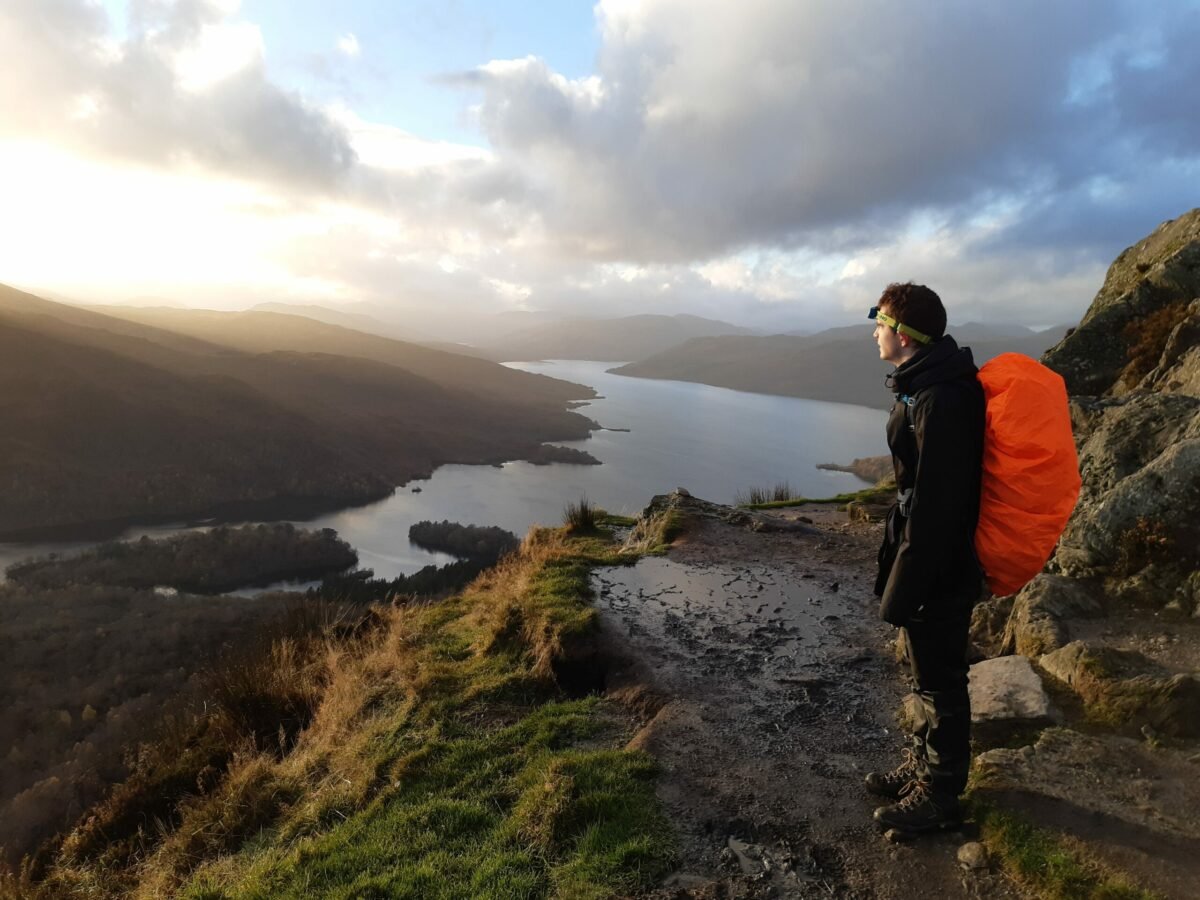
629, 337
840, 365
110, 419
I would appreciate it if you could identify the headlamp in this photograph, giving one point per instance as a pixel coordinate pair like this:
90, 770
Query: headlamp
876, 313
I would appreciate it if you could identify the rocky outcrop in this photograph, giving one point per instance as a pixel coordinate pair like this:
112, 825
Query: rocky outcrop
1142, 312
1132, 368
869, 468
666, 517
1127, 691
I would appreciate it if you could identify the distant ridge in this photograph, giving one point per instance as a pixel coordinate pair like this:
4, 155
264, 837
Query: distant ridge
169, 413
628, 337
840, 365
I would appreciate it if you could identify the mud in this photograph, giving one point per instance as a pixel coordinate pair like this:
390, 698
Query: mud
781, 690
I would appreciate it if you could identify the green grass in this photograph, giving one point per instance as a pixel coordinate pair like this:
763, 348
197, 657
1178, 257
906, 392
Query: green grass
866, 495
444, 760
512, 813
1050, 866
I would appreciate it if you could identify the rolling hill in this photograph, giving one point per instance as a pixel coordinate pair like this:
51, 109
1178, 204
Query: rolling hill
629, 337
111, 419
840, 365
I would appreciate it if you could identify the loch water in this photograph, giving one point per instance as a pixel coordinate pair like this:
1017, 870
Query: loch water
655, 436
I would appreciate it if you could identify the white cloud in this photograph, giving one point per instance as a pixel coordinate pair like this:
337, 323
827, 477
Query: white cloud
216, 53
766, 161
347, 45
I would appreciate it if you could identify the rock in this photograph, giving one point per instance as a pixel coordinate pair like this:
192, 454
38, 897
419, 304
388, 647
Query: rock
1133, 805
972, 855
1104, 535
1160, 272
1119, 436
1041, 611
989, 620
1007, 696
749, 856
1125, 690
871, 468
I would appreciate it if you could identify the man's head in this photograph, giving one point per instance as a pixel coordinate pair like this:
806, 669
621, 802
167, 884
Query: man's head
915, 312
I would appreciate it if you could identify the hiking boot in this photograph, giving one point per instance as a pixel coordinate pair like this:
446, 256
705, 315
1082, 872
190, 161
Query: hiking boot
898, 782
919, 811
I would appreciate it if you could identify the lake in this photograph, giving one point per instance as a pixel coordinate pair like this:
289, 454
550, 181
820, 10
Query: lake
713, 441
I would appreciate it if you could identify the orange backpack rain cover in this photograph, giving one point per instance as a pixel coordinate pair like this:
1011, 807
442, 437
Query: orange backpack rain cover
1030, 470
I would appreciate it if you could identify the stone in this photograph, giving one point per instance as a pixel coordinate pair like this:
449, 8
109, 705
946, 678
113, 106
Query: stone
1007, 696
749, 856
1102, 535
972, 855
1041, 611
1126, 691
989, 621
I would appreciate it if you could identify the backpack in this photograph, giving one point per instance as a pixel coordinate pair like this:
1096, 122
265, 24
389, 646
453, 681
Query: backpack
1030, 470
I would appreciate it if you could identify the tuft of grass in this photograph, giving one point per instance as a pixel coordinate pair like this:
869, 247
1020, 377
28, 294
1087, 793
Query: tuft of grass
655, 534
1052, 867
780, 493
582, 516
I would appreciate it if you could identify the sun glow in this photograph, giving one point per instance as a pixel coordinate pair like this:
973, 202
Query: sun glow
98, 231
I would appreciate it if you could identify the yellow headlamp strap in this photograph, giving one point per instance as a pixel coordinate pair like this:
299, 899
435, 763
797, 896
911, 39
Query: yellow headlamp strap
902, 328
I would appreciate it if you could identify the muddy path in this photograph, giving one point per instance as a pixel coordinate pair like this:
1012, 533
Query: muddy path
781, 692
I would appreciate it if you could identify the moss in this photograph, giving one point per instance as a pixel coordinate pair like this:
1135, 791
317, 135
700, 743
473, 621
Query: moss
1046, 863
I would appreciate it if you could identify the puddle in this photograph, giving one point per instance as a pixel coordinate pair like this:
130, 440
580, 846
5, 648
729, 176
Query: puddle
749, 620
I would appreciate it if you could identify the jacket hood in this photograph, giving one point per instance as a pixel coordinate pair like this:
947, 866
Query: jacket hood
940, 361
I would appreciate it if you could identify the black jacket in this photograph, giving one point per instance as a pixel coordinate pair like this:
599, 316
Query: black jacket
928, 570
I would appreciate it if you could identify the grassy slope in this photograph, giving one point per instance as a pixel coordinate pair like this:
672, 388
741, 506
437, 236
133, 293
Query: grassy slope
441, 759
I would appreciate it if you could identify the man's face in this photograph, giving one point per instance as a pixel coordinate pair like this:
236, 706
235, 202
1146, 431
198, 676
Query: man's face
891, 345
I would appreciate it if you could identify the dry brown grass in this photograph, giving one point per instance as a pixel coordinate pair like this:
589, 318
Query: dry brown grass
1147, 337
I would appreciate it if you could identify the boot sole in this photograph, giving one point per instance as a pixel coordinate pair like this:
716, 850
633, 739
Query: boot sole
897, 832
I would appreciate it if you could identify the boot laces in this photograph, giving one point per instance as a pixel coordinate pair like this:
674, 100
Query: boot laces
916, 793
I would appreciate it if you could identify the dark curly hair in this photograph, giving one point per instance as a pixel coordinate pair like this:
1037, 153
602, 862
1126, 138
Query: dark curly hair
916, 306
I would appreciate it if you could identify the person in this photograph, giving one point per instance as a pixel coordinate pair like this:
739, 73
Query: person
929, 576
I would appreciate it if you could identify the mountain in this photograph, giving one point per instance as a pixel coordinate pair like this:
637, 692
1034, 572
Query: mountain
353, 320
109, 419
840, 364
629, 337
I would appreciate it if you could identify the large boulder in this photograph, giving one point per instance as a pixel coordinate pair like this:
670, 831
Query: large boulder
1125, 690
1041, 613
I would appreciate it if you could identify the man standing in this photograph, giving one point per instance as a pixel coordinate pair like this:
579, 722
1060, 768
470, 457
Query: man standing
929, 576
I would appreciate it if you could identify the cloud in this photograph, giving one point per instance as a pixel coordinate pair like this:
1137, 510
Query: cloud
187, 87
347, 45
711, 126
769, 159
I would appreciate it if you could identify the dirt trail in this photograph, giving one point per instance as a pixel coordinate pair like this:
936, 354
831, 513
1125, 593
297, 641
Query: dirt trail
782, 691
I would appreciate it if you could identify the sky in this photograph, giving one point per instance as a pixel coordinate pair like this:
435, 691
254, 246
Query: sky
773, 163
